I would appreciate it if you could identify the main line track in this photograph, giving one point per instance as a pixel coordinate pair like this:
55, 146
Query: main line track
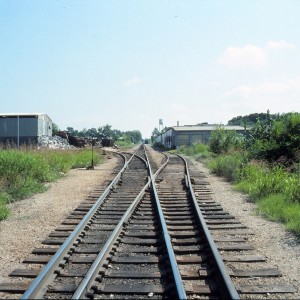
148, 235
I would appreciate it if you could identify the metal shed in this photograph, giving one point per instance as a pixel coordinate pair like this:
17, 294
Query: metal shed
23, 128
190, 134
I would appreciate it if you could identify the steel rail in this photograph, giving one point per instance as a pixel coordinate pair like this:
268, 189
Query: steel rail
89, 278
175, 270
39, 286
85, 285
230, 290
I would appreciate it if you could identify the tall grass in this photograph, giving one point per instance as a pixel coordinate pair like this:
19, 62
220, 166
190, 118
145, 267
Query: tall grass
198, 150
125, 144
229, 166
23, 173
276, 191
276, 208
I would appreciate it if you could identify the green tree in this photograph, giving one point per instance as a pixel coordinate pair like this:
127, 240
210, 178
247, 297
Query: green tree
105, 132
276, 139
71, 130
251, 119
155, 133
55, 128
92, 132
134, 136
222, 140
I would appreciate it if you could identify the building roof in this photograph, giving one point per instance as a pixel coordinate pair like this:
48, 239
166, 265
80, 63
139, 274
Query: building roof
209, 127
21, 114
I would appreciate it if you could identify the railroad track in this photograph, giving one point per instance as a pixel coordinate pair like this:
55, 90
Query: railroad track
148, 235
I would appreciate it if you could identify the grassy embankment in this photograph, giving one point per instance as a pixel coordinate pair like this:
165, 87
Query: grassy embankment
274, 189
25, 172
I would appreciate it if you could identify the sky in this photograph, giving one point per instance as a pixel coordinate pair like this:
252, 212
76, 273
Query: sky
129, 63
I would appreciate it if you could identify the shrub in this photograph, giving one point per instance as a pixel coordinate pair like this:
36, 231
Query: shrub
276, 138
221, 140
228, 166
198, 150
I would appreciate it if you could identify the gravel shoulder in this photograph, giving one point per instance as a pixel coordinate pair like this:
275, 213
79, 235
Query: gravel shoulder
271, 239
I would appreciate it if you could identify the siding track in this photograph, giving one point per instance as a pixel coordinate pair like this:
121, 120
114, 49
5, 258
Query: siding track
148, 236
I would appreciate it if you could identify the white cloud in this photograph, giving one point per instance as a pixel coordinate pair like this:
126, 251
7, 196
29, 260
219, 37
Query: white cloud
279, 45
251, 56
269, 88
184, 114
180, 109
248, 56
279, 96
214, 83
133, 81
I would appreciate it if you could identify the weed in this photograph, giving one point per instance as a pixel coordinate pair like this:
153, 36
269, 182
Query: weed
277, 208
228, 166
198, 150
24, 173
272, 206
4, 210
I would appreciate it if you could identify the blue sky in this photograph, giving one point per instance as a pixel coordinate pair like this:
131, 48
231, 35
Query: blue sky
131, 63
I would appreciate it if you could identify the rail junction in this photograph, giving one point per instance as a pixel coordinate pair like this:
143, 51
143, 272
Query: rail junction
153, 231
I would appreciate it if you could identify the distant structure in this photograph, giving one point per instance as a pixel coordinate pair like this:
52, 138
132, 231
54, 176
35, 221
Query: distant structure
24, 128
160, 124
188, 135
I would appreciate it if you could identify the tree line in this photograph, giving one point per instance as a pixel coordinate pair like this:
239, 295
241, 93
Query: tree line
274, 138
103, 132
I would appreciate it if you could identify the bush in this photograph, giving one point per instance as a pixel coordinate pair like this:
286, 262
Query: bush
276, 139
221, 140
228, 166
199, 151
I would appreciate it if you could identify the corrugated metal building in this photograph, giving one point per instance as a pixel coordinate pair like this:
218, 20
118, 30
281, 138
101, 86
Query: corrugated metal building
190, 134
24, 128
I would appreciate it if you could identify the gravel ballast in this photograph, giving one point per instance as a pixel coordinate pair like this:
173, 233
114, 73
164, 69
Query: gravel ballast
22, 231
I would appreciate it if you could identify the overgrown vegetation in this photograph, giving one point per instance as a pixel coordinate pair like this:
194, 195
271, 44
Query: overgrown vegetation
23, 173
264, 165
105, 132
251, 119
124, 144
159, 146
198, 151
